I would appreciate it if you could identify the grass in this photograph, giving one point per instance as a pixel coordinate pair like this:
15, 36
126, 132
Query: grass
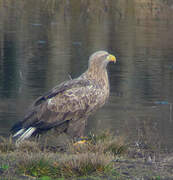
41, 168
67, 166
104, 142
6, 145
101, 156
93, 158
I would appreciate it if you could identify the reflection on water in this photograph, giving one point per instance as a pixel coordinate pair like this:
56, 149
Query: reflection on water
43, 42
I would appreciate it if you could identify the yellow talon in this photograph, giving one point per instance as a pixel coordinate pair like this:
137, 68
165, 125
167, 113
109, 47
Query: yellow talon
80, 142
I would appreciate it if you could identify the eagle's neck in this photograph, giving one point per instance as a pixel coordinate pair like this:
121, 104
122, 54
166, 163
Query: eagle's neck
100, 75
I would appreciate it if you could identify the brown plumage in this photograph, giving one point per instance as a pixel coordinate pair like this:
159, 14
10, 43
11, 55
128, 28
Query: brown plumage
67, 106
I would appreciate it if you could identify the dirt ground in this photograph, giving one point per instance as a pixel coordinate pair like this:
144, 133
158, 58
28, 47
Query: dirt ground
146, 169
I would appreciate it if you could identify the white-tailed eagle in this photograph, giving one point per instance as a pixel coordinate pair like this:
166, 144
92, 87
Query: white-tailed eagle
67, 106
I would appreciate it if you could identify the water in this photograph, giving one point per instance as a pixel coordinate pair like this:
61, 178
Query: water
43, 42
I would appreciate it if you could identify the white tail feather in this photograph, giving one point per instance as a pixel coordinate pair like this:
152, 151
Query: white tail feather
18, 132
26, 134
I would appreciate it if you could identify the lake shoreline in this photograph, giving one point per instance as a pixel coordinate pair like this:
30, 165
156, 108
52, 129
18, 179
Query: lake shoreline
100, 157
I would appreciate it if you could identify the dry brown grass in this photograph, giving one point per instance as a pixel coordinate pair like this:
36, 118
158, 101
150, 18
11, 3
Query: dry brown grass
6, 145
31, 158
55, 166
104, 142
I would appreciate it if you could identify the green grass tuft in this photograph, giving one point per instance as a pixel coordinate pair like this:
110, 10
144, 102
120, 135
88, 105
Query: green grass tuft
41, 168
67, 165
45, 178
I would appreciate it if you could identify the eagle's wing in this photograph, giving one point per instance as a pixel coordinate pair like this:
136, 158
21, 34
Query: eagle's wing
71, 100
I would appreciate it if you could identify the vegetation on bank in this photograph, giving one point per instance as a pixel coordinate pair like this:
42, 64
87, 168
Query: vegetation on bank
94, 156
101, 156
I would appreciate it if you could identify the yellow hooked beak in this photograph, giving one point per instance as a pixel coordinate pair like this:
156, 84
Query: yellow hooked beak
111, 58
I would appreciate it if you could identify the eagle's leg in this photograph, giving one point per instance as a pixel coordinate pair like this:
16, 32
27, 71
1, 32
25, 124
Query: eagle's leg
76, 128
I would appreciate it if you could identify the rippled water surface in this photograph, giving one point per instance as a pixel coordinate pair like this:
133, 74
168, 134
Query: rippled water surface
43, 42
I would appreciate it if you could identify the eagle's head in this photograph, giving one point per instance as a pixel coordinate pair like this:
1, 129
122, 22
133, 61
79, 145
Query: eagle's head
101, 59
